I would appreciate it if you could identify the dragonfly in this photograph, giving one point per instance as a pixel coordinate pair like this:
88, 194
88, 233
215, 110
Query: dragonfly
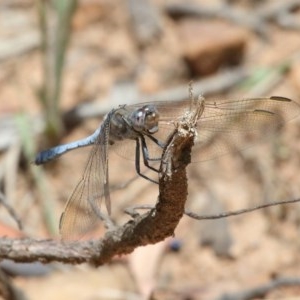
140, 132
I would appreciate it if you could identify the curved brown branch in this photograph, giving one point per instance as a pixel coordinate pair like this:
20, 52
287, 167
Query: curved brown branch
149, 228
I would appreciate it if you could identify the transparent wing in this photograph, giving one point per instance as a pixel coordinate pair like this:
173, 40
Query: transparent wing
234, 125
82, 211
221, 127
224, 125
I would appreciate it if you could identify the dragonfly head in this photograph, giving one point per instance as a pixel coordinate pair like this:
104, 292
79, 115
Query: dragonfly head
145, 119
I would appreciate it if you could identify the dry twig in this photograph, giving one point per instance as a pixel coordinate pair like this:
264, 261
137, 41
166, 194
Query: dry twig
214, 84
211, 85
11, 211
239, 211
149, 228
261, 290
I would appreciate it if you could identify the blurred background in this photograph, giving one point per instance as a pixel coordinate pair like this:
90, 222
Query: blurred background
65, 64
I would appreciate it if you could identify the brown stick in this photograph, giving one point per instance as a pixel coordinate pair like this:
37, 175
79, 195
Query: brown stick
149, 228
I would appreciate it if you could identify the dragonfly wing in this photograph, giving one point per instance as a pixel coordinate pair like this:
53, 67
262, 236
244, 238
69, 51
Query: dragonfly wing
221, 127
224, 126
83, 209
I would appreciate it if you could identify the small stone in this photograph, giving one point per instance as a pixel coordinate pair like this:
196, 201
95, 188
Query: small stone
209, 45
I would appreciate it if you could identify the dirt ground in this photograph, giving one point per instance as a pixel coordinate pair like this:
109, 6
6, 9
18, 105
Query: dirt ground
114, 58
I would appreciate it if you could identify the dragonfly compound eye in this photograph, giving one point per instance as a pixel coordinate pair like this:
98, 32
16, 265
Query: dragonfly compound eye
151, 119
138, 120
145, 119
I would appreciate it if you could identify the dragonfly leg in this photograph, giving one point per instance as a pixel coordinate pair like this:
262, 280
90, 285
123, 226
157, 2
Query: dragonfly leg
146, 153
137, 162
156, 141
146, 157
